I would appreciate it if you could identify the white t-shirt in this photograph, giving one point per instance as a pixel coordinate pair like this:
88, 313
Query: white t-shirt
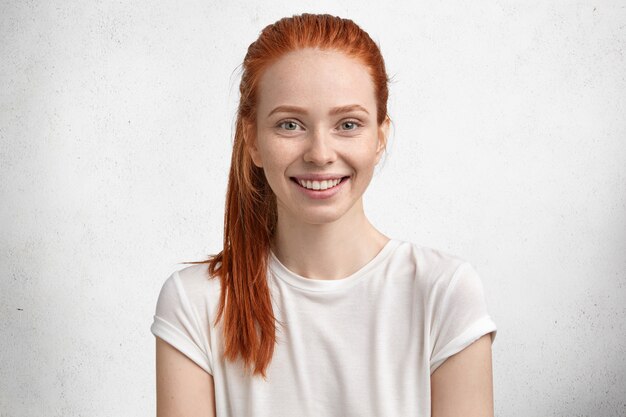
364, 345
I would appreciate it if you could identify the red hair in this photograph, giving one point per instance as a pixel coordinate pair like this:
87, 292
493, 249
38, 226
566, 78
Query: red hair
250, 213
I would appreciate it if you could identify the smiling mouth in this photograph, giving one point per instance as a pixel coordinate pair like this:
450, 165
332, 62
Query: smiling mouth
319, 185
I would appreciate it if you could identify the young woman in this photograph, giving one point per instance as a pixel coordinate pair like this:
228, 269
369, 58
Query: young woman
309, 310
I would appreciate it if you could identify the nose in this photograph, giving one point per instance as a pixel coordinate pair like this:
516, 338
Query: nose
319, 148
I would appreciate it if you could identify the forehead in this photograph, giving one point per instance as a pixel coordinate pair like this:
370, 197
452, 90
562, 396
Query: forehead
316, 79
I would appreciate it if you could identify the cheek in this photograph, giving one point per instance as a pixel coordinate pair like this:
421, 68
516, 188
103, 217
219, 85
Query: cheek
362, 152
363, 158
275, 160
270, 153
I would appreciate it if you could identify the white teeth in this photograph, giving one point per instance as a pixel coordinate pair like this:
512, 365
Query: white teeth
319, 185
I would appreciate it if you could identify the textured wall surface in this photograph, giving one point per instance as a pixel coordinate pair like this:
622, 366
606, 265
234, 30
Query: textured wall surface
508, 150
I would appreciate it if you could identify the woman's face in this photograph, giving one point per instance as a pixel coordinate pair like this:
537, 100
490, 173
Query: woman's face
316, 125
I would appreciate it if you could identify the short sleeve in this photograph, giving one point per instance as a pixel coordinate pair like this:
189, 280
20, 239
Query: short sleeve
461, 317
176, 321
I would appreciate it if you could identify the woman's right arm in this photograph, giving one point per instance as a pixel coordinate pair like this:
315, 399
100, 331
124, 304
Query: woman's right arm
183, 388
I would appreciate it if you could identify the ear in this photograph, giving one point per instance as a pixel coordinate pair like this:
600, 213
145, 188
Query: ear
383, 133
249, 136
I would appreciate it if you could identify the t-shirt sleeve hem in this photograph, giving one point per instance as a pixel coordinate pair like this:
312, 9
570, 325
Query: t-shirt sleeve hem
480, 328
174, 337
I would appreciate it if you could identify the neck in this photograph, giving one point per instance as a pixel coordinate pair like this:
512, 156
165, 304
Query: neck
331, 250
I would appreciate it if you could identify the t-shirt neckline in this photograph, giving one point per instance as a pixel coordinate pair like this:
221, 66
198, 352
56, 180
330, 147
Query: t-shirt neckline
310, 284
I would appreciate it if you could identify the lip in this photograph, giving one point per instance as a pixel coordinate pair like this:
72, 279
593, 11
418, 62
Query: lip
319, 177
321, 194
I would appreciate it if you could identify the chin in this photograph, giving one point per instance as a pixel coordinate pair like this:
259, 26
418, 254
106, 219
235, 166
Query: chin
314, 215
321, 218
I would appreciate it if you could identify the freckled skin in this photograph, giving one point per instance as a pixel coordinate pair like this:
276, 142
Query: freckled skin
292, 144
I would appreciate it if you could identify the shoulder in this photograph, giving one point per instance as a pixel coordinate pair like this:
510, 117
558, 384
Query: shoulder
198, 283
184, 313
194, 276
432, 268
192, 285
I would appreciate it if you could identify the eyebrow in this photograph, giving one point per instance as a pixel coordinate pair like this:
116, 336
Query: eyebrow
334, 111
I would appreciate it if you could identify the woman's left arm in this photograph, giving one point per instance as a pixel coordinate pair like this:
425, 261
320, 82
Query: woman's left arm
463, 384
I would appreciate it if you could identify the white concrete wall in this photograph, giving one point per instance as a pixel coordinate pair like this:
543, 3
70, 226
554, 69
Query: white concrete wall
509, 150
